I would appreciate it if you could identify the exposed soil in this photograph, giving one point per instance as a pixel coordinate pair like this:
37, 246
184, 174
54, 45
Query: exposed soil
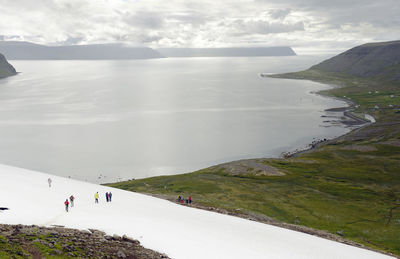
249, 166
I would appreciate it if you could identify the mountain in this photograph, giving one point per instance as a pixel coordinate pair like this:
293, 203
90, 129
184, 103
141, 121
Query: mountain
372, 60
31, 51
167, 227
6, 69
227, 52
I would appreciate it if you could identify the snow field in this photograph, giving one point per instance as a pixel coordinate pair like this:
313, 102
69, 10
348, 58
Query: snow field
179, 231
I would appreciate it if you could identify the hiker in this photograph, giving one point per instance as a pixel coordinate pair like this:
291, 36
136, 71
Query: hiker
107, 196
71, 199
66, 204
96, 197
49, 181
179, 199
190, 199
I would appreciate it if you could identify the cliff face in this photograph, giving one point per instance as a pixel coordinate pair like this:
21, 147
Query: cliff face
6, 69
375, 60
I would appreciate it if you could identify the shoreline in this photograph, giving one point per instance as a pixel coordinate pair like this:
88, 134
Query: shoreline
353, 121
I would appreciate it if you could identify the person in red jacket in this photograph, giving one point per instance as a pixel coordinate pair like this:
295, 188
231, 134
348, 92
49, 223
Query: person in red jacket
66, 204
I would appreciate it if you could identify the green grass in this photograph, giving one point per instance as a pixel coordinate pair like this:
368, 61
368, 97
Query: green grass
32, 248
336, 187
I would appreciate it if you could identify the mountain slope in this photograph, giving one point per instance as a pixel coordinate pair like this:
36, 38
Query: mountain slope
372, 60
30, 51
178, 231
6, 69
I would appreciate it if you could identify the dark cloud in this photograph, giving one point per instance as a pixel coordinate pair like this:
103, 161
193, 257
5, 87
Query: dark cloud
279, 13
143, 19
264, 27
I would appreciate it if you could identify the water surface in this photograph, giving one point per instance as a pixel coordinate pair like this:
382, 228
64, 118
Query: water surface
103, 121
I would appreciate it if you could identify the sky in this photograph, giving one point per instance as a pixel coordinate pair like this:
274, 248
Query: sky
309, 26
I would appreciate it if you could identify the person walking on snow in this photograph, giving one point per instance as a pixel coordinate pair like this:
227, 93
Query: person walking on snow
66, 204
71, 199
96, 197
107, 196
49, 181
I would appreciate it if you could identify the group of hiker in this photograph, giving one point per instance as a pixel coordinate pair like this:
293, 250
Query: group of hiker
182, 200
67, 203
108, 197
70, 203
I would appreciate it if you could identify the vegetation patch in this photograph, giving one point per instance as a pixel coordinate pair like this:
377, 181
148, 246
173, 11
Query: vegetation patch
349, 187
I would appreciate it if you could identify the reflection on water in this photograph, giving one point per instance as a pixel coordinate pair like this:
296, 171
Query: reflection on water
139, 118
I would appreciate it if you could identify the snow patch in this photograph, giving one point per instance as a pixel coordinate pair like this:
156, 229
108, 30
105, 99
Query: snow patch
178, 231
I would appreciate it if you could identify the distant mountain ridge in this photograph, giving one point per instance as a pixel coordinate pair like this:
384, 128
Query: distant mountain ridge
6, 69
373, 60
30, 51
227, 52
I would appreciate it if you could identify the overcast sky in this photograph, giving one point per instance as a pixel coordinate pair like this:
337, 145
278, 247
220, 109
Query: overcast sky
306, 25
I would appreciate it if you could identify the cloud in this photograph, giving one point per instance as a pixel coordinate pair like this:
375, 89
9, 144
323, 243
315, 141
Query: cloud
205, 23
265, 27
279, 13
145, 19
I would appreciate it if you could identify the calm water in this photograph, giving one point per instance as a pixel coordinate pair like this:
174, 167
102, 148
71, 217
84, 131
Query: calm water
133, 119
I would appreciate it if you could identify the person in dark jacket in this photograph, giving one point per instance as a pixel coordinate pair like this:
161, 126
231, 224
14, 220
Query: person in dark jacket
66, 204
71, 199
109, 196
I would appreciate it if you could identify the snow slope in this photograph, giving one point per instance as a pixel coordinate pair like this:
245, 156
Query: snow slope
179, 231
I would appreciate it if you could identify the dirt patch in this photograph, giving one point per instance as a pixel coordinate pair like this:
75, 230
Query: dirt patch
250, 166
360, 148
395, 142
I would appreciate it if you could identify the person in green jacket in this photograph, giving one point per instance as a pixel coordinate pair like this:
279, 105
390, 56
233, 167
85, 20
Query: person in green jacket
96, 197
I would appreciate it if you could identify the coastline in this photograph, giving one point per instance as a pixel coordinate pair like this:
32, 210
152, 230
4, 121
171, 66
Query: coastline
351, 121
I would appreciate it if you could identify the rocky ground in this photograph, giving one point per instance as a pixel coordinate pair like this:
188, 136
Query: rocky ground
19, 241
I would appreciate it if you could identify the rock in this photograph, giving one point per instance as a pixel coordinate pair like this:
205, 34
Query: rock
121, 254
57, 252
85, 231
108, 237
116, 237
129, 239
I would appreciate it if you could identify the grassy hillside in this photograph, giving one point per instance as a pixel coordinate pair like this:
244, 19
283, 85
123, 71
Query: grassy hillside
373, 60
349, 186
